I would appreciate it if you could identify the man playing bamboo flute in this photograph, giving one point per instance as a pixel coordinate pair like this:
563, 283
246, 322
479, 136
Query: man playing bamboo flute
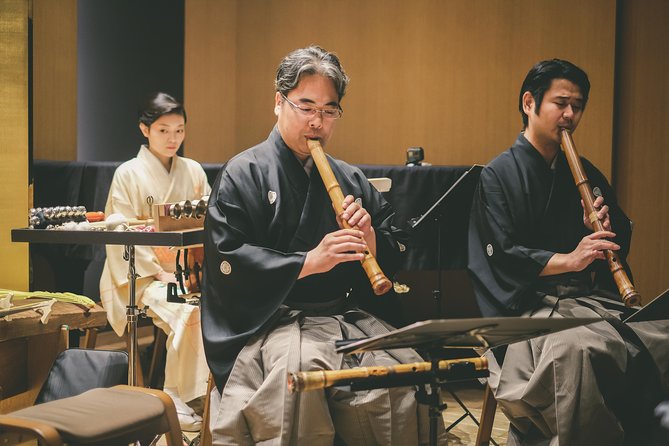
532, 253
283, 281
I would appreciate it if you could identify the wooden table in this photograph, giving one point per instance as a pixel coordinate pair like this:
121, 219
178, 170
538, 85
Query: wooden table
28, 348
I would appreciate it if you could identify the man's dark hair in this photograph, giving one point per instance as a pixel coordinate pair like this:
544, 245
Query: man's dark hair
310, 60
157, 105
540, 78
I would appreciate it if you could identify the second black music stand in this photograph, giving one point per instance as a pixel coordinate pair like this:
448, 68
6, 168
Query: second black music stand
437, 214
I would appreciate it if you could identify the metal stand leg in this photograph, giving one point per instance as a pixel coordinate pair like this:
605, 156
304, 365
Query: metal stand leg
435, 407
133, 313
433, 400
467, 413
435, 414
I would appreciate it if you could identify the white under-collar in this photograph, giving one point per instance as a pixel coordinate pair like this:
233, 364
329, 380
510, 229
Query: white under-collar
308, 165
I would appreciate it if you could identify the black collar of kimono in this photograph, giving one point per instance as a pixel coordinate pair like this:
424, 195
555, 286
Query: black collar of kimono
533, 163
288, 160
311, 188
531, 157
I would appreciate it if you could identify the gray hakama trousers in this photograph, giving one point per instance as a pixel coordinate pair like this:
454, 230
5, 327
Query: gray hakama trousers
571, 388
256, 406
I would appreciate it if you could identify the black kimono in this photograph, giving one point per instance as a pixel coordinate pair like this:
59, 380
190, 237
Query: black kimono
525, 211
264, 214
595, 384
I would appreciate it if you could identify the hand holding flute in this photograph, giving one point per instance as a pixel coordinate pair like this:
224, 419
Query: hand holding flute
596, 242
338, 245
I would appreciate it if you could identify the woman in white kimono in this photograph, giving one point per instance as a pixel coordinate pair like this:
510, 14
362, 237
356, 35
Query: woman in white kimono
159, 173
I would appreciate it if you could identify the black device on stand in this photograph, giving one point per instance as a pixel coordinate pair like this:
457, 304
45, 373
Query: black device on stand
436, 214
415, 156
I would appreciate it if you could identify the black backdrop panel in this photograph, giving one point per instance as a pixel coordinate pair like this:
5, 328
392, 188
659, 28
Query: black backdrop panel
414, 190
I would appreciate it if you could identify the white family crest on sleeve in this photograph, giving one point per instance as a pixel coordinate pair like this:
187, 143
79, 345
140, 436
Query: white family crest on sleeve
271, 196
359, 201
489, 250
226, 268
401, 246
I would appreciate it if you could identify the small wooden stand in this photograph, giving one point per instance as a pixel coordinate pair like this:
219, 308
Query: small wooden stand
164, 222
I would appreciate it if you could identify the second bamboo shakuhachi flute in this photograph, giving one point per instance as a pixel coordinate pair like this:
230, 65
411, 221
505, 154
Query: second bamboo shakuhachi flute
627, 292
320, 379
380, 283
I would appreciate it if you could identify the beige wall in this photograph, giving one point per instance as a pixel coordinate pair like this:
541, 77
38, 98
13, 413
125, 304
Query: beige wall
55, 79
443, 75
13, 141
642, 133
210, 76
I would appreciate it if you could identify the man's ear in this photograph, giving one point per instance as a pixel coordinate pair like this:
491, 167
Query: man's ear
528, 103
277, 103
144, 129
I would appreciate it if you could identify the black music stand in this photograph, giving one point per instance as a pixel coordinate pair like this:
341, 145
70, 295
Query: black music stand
433, 336
436, 214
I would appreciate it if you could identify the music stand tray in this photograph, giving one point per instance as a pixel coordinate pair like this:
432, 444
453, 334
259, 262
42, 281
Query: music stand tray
465, 333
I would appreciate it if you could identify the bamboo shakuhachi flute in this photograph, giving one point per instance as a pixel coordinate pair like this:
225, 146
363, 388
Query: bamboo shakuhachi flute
627, 292
320, 379
380, 283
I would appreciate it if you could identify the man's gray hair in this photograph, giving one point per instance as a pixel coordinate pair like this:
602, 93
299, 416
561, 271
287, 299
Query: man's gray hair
310, 60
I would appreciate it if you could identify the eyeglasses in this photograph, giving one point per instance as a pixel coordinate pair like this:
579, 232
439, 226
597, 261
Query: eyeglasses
310, 112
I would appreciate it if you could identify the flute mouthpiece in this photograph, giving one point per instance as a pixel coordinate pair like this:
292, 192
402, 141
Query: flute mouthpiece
313, 143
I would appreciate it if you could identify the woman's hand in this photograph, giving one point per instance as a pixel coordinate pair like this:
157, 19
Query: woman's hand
166, 277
